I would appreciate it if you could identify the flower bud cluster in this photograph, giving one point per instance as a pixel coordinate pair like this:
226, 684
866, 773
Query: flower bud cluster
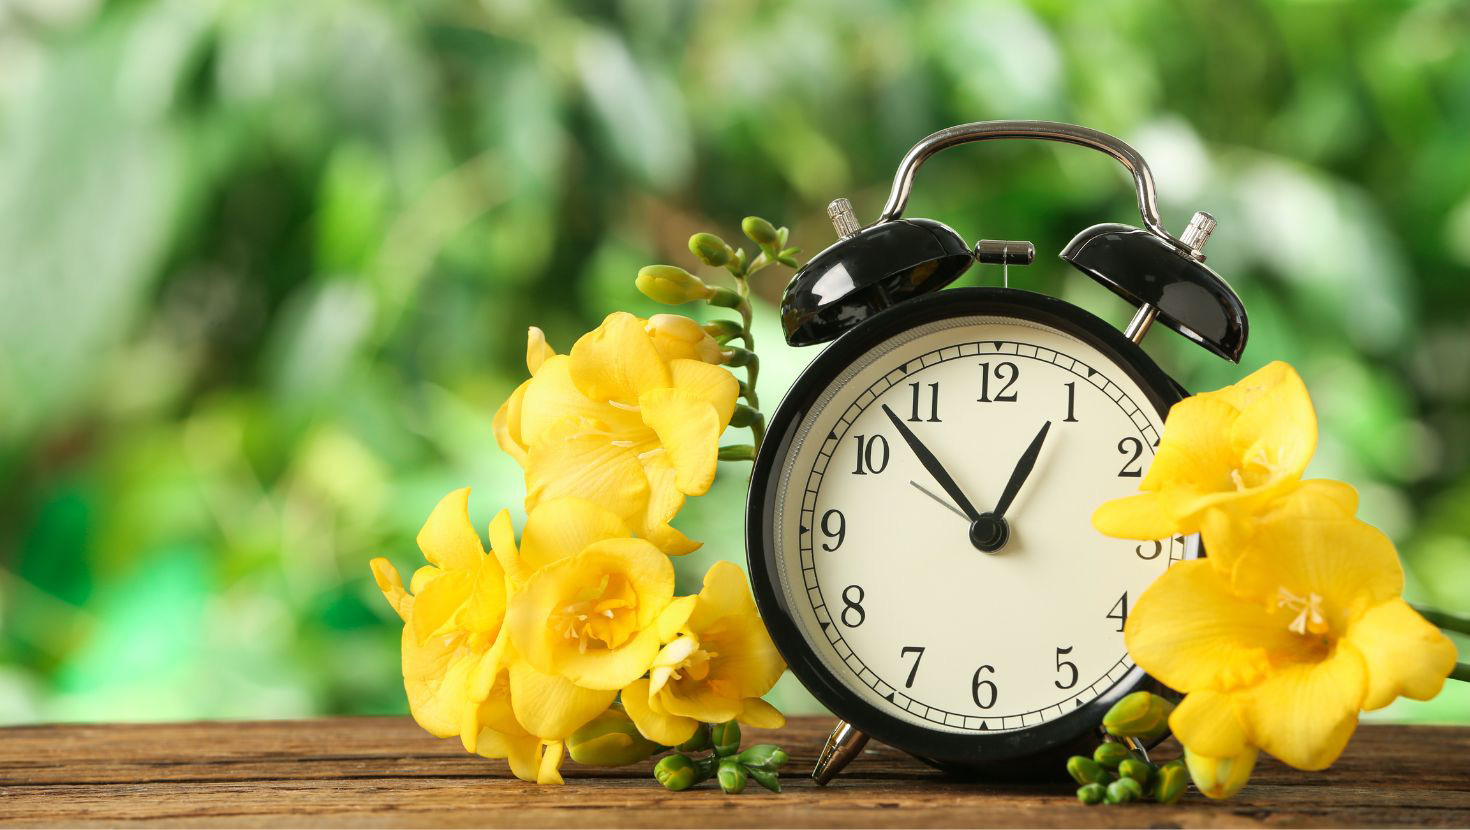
727, 764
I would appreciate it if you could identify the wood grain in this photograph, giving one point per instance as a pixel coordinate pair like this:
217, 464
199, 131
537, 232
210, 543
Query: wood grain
386, 772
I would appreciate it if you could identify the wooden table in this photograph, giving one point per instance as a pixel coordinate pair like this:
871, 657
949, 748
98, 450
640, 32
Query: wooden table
387, 772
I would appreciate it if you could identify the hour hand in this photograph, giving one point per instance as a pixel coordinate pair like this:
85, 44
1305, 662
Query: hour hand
932, 464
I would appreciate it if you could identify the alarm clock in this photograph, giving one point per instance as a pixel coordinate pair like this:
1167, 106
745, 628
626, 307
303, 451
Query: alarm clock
919, 520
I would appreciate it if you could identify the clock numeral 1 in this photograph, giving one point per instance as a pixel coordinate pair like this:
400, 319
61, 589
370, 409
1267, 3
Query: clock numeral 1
872, 455
1120, 611
1129, 471
853, 614
839, 532
933, 402
914, 670
1158, 549
1071, 403
1006, 373
977, 685
1068, 665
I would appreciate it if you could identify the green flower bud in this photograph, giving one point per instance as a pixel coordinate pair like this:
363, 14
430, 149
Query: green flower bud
676, 773
766, 778
672, 285
710, 249
1173, 780
1140, 771
1084, 770
1111, 754
732, 776
726, 737
609, 740
735, 357
723, 330
1123, 791
1142, 715
760, 231
1091, 793
733, 452
722, 297
699, 740
766, 756
1221, 777
744, 416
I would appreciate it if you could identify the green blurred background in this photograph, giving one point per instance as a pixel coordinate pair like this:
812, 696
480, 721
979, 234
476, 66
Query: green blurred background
266, 268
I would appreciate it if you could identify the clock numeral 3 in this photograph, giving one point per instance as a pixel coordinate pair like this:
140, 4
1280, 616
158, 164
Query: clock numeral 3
985, 687
933, 402
1006, 373
839, 533
914, 670
1158, 549
1120, 611
1129, 471
872, 455
1068, 665
853, 614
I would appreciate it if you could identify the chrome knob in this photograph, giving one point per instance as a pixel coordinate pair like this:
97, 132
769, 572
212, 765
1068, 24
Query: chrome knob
844, 221
1198, 231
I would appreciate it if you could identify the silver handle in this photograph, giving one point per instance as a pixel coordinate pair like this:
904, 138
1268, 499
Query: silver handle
1143, 179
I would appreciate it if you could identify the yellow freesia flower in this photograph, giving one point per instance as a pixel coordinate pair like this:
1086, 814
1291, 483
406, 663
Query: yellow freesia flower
625, 420
715, 670
1283, 649
679, 338
1224, 452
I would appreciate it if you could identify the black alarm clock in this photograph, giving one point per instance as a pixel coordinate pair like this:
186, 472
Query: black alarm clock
919, 522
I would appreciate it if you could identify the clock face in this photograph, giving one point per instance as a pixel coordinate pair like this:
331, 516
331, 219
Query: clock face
930, 528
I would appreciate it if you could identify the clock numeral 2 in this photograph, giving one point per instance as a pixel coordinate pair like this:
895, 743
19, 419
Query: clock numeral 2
872, 455
933, 402
1007, 373
1068, 665
853, 614
839, 533
1119, 611
914, 671
976, 685
1129, 471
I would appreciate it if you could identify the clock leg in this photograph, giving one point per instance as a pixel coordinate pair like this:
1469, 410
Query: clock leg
841, 747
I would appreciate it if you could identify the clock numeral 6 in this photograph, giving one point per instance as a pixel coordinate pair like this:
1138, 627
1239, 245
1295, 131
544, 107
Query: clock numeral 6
1068, 665
853, 614
1006, 373
988, 687
1129, 471
1119, 611
918, 651
839, 532
872, 455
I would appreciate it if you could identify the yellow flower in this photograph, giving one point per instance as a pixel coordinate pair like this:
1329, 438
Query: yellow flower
1284, 648
1222, 453
715, 670
624, 420
451, 619
680, 338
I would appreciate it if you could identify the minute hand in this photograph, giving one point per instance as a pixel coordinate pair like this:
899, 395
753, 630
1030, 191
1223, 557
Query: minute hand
933, 466
1022, 471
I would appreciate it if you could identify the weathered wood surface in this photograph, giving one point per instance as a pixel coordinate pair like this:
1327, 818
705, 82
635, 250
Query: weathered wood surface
385, 772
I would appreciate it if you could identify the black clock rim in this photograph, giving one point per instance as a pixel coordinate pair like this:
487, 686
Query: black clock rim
942, 748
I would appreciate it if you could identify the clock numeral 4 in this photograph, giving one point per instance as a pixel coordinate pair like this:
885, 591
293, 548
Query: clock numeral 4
838, 532
918, 652
872, 455
1067, 665
933, 403
980, 687
1129, 470
1119, 611
853, 614
1005, 373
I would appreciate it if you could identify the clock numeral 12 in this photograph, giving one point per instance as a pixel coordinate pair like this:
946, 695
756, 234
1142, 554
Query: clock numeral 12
976, 684
1119, 611
914, 671
1006, 372
933, 402
872, 455
1065, 664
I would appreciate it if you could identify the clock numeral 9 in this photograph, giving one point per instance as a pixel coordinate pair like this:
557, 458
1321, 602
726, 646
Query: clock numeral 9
914, 671
839, 533
1158, 549
1068, 665
1006, 373
933, 403
988, 687
1119, 611
853, 614
872, 455
1129, 471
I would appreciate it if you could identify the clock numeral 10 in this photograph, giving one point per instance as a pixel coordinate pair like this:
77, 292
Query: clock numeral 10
933, 403
980, 687
1068, 665
1130, 471
872, 455
918, 651
853, 614
1119, 611
1005, 373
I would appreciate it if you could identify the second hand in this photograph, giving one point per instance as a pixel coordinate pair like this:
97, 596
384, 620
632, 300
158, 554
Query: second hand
931, 494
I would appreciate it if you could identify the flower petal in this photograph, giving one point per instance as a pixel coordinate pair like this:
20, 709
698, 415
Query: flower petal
689, 430
1193, 449
553, 707
574, 458
655, 725
1304, 713
562, 527
447, 538
551, 758
1277, 428
1205, 721
761, 715
708, 383
674, 617
1143, 516
1221, 777
551, 396
503, 543
436, 679
699, 701
1405, 654
436, 605
391, 584
747, 662
538, 351
506, 425
617, 361
664, 500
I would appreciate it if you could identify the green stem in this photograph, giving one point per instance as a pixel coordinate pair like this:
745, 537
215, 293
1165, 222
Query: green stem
1461, 672
752, 369
1457, 623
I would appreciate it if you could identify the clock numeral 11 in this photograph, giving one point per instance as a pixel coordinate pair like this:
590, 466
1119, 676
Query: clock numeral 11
933, 403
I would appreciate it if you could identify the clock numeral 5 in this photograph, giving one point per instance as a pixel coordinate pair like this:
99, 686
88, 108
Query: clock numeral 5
1129, 471
988, 687
839, 532
853, 614
933, 403
919, 658
1119, 611
1068, 665
1006, 373
872, 454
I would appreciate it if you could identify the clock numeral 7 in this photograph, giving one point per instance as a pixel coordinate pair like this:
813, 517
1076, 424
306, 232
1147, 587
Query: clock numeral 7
1007, 373
1068, 665
872, 455
919, 658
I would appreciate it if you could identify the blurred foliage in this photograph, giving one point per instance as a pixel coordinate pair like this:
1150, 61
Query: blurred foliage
266, 268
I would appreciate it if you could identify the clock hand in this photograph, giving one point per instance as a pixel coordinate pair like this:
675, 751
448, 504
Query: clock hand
1022, 471
947, 506
933, 466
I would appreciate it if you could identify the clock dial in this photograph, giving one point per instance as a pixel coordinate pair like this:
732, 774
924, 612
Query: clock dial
933, 533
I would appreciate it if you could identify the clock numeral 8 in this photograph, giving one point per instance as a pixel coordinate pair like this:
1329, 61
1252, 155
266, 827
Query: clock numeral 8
990, 691
854, 606
872, 455
1006, 372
